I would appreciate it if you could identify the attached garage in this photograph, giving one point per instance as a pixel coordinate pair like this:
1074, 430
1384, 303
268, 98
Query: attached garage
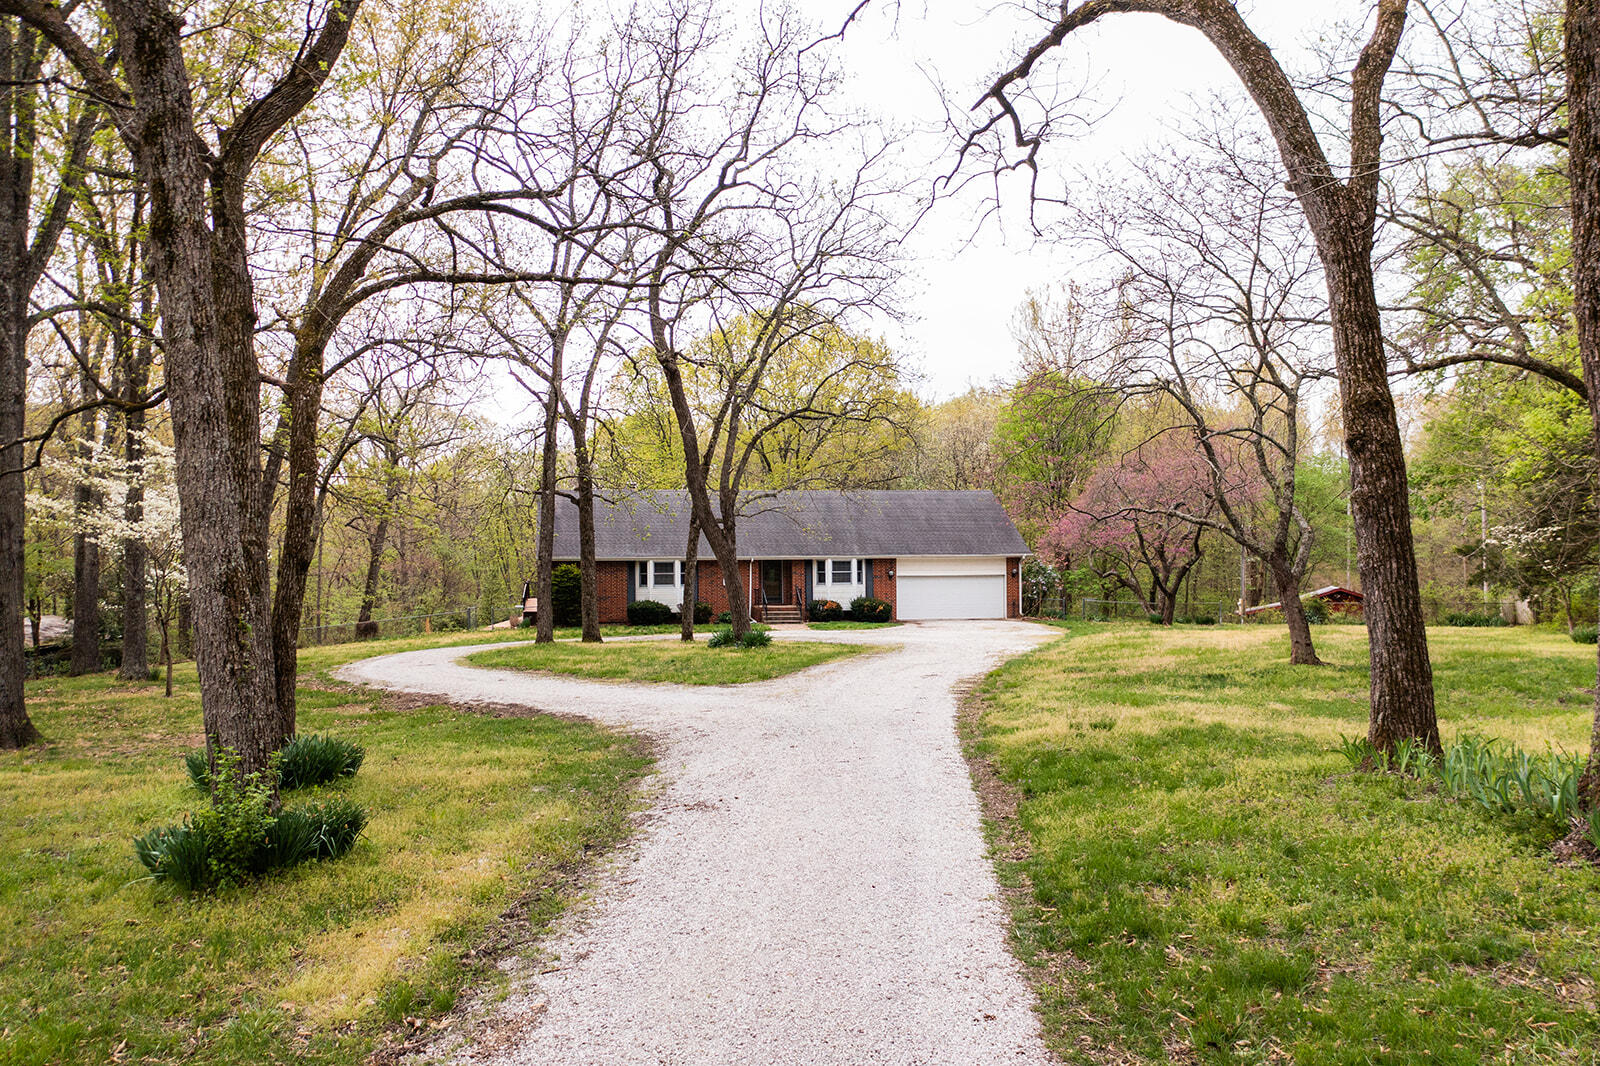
957, 586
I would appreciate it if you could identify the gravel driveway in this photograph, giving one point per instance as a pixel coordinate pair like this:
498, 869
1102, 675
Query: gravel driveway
811, 886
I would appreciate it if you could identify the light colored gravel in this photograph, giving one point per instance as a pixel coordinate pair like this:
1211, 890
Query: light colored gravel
812, 886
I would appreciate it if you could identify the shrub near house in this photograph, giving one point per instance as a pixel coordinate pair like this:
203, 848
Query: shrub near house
824, 610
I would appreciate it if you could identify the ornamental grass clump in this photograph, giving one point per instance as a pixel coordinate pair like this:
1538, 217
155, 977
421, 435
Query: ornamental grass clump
1500, 778
754, 638
307, 760
236, 836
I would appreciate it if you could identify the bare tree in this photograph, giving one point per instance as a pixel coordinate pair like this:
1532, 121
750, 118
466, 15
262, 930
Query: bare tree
743, 219
445, 130
1340, 206
1216, 307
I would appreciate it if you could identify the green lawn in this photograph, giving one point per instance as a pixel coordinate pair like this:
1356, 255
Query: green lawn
1198, 876
852, 625
669, 661
470, 816
317, 662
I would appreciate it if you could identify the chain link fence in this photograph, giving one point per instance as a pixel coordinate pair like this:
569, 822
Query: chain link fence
454, 620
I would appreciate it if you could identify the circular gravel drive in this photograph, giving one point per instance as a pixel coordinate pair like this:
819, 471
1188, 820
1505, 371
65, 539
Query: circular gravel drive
811, 887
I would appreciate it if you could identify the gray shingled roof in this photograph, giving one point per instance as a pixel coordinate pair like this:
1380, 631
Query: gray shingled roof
801, 525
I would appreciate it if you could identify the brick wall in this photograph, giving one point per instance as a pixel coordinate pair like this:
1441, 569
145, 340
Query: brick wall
711, 588
612, 578
883, 584
797, 585
1014, 587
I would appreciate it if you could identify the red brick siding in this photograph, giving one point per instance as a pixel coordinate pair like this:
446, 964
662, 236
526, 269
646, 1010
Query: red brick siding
797, 584
614, 578
711, 589
1014, 587
613, 591
883, 584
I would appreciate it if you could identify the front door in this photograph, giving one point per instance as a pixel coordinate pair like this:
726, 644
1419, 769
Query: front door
772, 584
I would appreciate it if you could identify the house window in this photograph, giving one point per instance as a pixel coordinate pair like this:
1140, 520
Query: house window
839, 572
664, 573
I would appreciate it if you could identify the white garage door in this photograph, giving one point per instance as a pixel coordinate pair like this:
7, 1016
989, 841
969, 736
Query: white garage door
950, 597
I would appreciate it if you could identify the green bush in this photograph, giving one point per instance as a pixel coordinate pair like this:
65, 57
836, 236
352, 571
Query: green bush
233, 826
1316, 611
566, 595
724, 618
308, 759
702, 614
756, 638
1585, 634
722, 638
449, 623
1154, 619
824, 611
1468, 618
648, 613
868, 609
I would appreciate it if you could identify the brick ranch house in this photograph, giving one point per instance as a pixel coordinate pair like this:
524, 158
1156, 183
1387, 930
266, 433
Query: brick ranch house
928, 554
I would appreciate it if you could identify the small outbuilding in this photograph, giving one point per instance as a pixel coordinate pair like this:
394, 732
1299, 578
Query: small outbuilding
1337, 597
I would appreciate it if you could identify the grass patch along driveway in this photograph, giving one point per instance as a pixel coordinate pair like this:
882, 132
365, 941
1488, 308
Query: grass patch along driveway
665, 661
470, 815
1202, 878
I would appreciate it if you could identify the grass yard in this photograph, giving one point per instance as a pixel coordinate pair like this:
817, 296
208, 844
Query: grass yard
1198, 875
665, 661
469, 816
851, 625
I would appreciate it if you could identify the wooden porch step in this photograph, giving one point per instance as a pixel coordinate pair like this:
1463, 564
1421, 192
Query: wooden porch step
781, 612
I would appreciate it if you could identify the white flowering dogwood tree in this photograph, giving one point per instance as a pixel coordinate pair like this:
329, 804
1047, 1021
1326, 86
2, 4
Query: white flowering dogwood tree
110, 478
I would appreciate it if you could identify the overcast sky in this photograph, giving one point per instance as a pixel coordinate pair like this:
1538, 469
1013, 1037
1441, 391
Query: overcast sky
965, 291
965, 287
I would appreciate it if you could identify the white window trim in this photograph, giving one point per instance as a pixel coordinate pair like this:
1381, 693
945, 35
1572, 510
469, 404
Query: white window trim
645, 574
858, 573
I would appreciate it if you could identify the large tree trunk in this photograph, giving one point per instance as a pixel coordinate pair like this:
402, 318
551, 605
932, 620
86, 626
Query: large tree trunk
1301, 651
16, 728
1402, 675
544, 580
588, 563
85, 598
720, 535
1342, 215
722, 541
301, 526
691, 579
85, 556
1583, 114
135, 664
